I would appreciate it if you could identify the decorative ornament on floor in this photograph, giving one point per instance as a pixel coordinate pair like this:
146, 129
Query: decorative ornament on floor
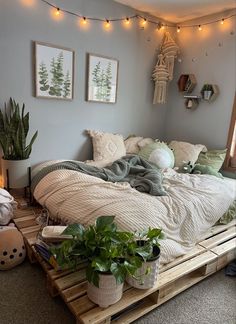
160, 76
12, 247
163, 71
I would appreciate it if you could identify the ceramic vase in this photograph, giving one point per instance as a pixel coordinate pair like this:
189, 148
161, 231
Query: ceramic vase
17, 173
108, 293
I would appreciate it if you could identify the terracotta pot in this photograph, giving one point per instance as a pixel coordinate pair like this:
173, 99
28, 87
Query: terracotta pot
108, 293
17, 173
146, 281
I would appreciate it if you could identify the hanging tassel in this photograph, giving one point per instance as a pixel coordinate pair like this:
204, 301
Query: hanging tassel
160, 76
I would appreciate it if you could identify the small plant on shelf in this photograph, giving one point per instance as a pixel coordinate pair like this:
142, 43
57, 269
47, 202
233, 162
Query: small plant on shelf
112, 256
207, 91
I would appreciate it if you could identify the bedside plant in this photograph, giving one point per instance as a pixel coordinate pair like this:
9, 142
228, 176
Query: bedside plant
147, 248
112, 255
14, 127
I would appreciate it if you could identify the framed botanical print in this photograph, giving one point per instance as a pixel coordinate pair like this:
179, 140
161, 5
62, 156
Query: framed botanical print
102, 79
54, 71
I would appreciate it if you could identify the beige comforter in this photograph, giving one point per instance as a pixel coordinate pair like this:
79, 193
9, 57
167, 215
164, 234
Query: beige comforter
194, 203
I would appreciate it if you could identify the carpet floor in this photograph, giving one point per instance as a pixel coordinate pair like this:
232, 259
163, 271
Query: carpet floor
25, 300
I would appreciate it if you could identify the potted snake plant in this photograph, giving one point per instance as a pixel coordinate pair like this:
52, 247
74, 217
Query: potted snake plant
109, 259
14, 127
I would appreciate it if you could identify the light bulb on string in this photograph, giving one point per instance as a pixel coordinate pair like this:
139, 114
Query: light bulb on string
178, 29
222, 21
199, 27
144, 21
57, 13
107, 24
162, 26
84, 21
127, 21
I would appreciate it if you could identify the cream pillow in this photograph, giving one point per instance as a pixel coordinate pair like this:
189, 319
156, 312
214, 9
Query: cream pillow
185, 152
107, 147
131, 144
146, 141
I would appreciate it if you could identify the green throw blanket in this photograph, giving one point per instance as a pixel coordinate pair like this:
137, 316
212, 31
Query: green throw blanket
229, 215
140, 174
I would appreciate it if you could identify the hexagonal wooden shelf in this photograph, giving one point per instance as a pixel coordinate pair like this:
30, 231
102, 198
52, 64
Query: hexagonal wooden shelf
187, 83
209, 92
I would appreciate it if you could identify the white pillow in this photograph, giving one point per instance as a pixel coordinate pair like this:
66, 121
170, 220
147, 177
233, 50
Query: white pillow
107, 147
131, 144
185, 152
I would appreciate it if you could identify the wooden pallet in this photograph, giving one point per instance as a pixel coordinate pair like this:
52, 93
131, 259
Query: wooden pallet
215, 250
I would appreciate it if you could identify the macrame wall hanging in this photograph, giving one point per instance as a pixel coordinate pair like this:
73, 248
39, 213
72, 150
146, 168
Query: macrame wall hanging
160, 76
163, 71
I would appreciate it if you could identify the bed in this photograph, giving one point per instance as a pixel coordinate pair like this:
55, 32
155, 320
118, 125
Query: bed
192, 204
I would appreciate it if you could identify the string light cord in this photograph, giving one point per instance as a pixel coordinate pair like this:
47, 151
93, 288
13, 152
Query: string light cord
158, 24
209, 22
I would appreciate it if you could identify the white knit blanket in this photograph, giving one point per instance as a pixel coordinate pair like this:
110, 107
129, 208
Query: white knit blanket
194, 203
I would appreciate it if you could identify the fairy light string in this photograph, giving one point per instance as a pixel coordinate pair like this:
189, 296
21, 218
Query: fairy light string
127, 19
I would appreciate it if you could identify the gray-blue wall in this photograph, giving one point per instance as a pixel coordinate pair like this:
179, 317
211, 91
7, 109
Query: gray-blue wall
210, 54
61, 123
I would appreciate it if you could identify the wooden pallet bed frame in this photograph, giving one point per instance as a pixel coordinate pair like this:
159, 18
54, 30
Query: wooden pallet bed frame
213, 252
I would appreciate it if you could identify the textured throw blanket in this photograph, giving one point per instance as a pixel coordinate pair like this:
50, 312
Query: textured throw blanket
132, 169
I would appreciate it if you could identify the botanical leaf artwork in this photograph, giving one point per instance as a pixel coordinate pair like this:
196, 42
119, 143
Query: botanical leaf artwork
54, 72
102, 79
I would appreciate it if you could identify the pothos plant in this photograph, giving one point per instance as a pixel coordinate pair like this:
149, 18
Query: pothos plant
107, 249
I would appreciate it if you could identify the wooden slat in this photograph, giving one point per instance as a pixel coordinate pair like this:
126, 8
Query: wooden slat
81, 305
194, 252
74, 292
53, 274
31, 229
31, 235
219, 238
185, 268
217, 229
225, 247
182, 284
141, 309
70, 280
26, 221
18, 213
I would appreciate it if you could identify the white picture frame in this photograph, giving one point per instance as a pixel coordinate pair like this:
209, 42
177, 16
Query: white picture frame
102, 78
54, 71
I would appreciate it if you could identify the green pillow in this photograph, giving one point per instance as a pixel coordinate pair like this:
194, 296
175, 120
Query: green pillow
213, 158
206, 169
159, 154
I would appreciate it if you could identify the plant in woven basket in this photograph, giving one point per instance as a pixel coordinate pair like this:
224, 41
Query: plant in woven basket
14, 127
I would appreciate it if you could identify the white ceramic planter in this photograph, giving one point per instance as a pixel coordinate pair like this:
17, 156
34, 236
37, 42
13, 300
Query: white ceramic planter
108, 292
17, 172
146, 281
207, 94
